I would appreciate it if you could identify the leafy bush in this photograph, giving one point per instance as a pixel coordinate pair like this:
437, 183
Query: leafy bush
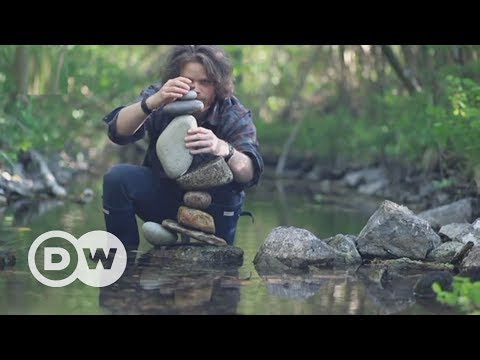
464, 296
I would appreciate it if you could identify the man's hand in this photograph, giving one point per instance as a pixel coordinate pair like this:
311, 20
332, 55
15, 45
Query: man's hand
170, 91
204, 141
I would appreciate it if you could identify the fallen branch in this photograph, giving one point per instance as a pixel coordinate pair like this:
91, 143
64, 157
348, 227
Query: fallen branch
47, 176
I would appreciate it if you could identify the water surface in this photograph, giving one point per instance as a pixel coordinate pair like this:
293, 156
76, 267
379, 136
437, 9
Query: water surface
154, 287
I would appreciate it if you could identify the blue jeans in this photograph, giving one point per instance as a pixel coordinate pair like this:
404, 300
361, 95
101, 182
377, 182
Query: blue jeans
130, 190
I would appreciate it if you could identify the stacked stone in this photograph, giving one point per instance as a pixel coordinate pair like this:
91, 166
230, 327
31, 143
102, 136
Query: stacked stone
192, 221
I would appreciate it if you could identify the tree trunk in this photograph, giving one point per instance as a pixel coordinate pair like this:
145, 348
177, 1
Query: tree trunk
342, 84
428, 70
289, 110
274, 64
379, 63
58, 72
21, 68
397, 67
410, 65
458, 54
20, 71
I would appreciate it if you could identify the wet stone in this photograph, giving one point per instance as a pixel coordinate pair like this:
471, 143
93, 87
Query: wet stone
183, 107
157, 235
197, 200
191, 95
195, 234
211, 174
196, 219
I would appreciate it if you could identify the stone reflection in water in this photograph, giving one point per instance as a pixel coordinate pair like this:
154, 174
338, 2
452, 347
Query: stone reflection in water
389, 297
365, 290
331, 291
293, 287
394, 291
160, 286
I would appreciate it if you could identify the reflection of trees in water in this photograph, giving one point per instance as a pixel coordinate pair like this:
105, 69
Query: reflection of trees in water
155, 286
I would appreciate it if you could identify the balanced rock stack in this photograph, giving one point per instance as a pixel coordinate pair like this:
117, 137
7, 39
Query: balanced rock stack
192, 219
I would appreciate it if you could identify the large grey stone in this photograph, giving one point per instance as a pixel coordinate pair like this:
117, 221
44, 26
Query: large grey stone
289, 247
470, 265
183, 107
208, 175
394, 231
346, 252
461, 211
174, 156
461, 232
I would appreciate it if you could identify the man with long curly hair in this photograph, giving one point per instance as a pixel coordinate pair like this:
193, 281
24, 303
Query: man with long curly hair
225, 129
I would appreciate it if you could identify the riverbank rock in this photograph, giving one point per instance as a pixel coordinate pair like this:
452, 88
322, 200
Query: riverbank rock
470, 265
346, 253
462, 211
462, 233
290, 248
394, 231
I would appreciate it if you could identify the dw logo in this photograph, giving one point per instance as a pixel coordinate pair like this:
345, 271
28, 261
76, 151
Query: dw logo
106, 250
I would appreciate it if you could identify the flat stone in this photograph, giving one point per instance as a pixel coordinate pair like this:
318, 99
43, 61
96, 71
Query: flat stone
198, 235
179, 267
171, 151
208, 175
197, 199
196, 219
191, 95
157, 235
183, 107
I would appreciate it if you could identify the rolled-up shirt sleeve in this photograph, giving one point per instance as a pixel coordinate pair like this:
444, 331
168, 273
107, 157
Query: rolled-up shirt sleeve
111, 120
243, 137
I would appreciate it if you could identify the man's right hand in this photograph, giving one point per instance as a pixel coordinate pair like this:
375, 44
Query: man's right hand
170, 91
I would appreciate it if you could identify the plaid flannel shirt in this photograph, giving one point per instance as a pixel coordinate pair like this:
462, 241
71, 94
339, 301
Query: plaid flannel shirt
228, 119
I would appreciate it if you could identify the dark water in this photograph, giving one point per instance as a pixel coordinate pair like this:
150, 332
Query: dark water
153, 287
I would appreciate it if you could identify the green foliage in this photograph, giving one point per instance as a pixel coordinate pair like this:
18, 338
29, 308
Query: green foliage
464, 117
71, 87
443, 184
465, 295
326, 134
269, 135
